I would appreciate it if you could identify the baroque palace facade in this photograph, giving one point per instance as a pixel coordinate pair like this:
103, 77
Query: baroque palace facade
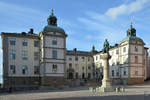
42, 59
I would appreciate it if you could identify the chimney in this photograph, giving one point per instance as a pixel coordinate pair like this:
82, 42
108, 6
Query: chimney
75, 49
31, 31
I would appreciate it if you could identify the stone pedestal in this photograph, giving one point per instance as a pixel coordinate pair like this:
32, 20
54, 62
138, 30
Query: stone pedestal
106, 82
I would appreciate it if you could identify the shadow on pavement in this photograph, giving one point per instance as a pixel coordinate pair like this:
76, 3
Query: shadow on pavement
127, 97
45, 91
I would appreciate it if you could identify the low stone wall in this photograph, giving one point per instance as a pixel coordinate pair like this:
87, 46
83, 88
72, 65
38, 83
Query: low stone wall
21, 81
118, 81
133, 81
53, 81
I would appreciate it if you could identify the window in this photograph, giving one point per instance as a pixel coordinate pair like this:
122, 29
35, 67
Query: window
54, 54
83, 68
54, 41
12, 69
124, 73
124, 49
89, 75
89, 67
88, 58
24, 55
54, 68
36, 56
136, 72
117, 73
117, 51
12, 54
83, 75
96, 57
118, 62
24, 69
70, 65
76, 58
36, 43
112, 72
70, 58
82, 58
136, 59
76, 75
24, 43
136, 49
113, 64
36, 69
12, 42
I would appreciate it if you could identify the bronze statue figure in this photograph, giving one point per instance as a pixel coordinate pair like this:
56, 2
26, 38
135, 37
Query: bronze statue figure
106, 46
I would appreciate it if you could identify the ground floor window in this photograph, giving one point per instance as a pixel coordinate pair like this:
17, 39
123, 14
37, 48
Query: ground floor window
54, 68
70, 75
89, 75
76, 75
83, 75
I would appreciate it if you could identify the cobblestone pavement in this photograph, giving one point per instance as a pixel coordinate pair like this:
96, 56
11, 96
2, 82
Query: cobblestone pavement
82, 93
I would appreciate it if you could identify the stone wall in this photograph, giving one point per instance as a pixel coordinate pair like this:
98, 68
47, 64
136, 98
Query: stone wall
21, 81
133, 81
53, 81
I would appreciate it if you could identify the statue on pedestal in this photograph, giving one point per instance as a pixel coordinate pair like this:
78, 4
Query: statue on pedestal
106, 46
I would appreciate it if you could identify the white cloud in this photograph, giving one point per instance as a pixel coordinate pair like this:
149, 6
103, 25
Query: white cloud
104, 29
126, 8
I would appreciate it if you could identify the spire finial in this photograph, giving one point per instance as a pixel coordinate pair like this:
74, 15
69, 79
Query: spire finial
131, 25
93, 47
52, 12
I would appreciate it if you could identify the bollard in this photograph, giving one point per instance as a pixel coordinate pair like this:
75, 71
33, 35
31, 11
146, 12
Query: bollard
117, 89
122, 89
91, 89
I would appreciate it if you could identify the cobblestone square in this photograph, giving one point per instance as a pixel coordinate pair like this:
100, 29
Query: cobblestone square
81, 93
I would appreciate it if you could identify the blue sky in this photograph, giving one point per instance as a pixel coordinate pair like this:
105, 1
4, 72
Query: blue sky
87, 22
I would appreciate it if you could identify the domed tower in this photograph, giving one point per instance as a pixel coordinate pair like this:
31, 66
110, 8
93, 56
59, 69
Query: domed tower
133, 57
53, 53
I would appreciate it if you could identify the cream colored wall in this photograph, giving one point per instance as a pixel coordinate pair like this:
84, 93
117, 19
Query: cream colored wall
60, 42
19, 62
121, 58
80, 64
46, 51
60, 70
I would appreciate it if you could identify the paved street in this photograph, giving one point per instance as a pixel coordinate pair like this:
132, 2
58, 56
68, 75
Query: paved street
82, 93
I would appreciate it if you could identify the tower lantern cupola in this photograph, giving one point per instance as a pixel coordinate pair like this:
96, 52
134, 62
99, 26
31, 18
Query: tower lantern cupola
52, 20
131, 31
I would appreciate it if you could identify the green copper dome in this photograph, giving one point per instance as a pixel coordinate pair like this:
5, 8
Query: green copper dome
130, 38
131, 35
52, 24
53, 29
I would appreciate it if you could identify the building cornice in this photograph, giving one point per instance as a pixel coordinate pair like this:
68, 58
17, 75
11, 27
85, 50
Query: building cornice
26, 35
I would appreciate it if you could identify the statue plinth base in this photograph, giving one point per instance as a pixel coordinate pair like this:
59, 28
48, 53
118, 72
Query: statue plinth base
106, 82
